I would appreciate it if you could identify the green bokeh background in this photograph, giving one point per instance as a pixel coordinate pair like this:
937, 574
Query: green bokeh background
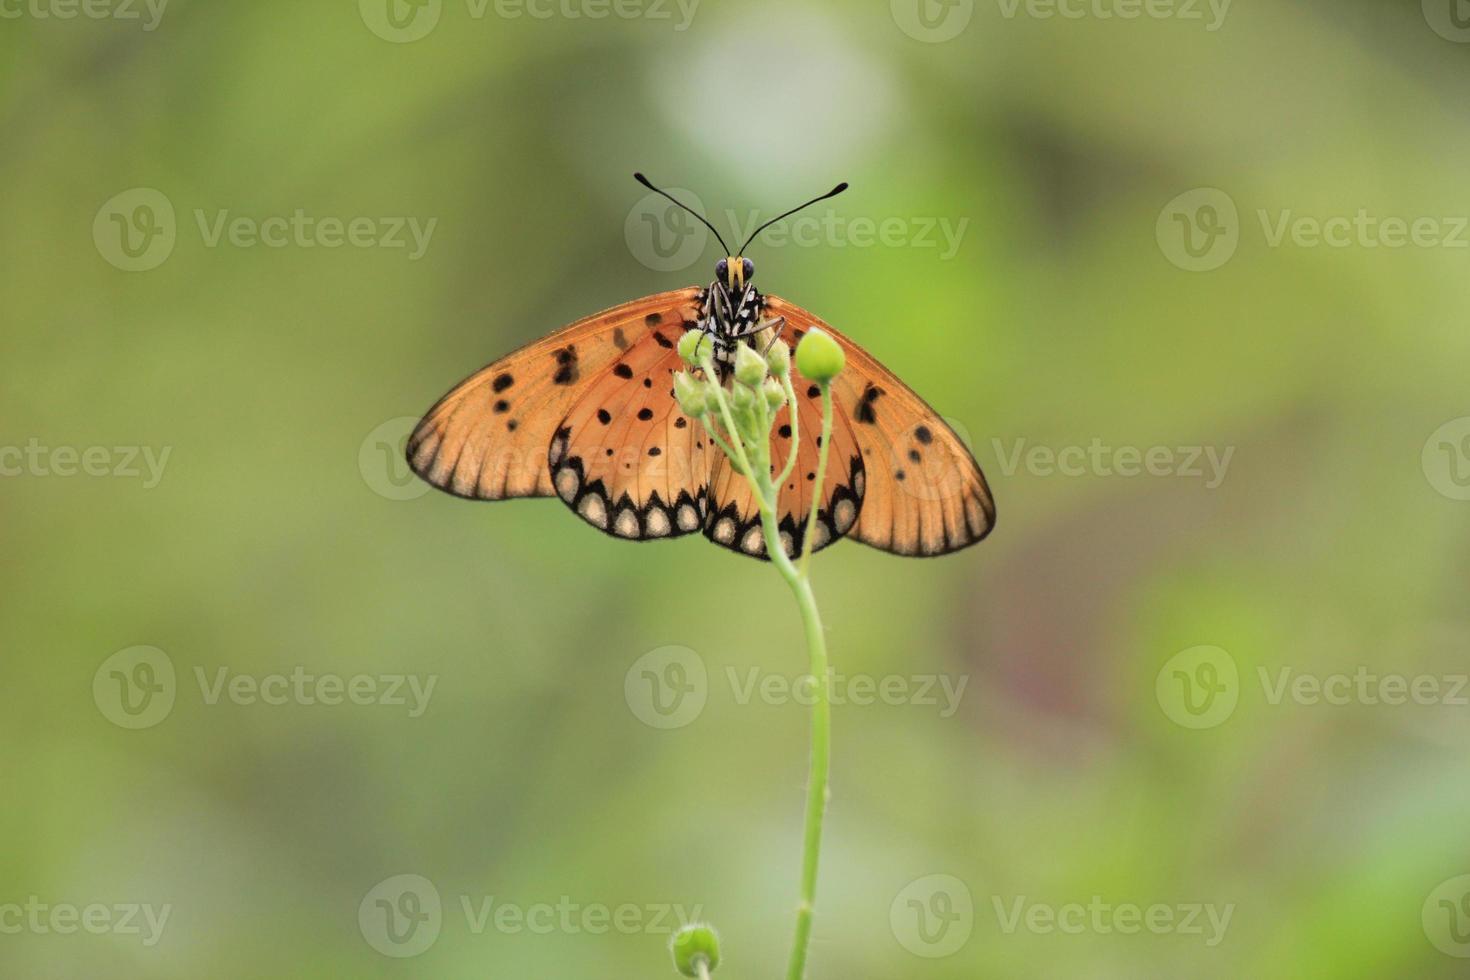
272, 541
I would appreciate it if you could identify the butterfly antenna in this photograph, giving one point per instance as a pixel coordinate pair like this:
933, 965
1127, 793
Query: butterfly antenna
645, 182
832, 193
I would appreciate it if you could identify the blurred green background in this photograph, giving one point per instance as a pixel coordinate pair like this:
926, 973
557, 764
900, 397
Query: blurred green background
1134, 269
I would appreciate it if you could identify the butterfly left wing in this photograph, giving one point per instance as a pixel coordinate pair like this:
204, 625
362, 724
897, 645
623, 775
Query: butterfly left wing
626, 459
488, 438
920, 490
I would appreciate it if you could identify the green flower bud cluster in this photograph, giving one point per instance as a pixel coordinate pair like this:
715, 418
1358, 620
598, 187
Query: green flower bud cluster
740, 419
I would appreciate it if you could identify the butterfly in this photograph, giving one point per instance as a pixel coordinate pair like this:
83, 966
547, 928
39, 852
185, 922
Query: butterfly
588, 415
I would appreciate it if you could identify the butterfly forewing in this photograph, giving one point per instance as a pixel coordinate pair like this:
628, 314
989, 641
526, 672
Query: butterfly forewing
489, 437
923, 492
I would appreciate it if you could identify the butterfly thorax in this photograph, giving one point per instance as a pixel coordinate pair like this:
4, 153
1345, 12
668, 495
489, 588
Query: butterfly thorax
729, 315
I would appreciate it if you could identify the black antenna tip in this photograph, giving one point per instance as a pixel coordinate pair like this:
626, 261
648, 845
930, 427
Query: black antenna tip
840, 188
641, 179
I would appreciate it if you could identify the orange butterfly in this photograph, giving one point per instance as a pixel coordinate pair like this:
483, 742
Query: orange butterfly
588, 414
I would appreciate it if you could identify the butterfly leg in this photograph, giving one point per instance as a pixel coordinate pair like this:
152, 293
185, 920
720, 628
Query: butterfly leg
776, 326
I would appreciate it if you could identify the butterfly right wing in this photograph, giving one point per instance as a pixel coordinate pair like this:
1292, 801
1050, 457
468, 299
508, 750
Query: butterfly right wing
489, 437
924, 494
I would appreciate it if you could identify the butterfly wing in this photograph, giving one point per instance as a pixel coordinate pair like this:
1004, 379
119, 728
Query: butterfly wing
625, 458
919, 489
488, 439
734, 520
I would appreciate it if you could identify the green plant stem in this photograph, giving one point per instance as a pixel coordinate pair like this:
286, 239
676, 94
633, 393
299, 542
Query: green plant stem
753, 460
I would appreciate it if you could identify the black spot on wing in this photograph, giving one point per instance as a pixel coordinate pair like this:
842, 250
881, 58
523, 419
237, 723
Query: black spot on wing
865, 412
566, 370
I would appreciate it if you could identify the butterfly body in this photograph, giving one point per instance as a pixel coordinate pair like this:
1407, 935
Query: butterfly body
588, 415
731, 310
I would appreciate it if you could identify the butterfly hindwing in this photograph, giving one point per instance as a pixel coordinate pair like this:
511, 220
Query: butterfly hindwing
625, 458
734, 520
922, 491
488, 438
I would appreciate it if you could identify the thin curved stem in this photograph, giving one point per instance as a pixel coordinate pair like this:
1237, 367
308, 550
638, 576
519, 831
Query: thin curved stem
751, 454
823, 444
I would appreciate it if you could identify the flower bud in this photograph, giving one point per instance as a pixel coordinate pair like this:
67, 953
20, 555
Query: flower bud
819, 357
743, 399
775, 394
690, 394
692, 344
750, 367
693, 943
779, 358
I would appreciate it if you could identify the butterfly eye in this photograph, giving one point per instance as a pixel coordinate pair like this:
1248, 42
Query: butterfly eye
722, 270
749, 268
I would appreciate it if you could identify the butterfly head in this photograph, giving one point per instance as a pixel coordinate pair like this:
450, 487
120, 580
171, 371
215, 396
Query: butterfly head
735, 271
